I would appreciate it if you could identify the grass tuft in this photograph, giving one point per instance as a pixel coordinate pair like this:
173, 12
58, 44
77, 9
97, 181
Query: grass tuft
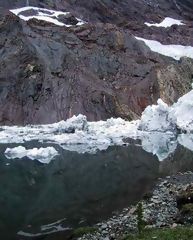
179, 233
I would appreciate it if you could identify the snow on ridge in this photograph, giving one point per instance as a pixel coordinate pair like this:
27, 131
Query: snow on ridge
167, 22
173, 51
42, 11
43, 18
42, 15
45, 15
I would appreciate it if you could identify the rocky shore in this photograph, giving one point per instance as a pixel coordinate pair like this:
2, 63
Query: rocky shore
170, 204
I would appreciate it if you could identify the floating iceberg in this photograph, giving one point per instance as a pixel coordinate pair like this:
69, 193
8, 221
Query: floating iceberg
158, 125
43, 155
182, 112
163, 118
157, 118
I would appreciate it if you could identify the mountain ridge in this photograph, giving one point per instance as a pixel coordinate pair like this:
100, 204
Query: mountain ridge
49, 73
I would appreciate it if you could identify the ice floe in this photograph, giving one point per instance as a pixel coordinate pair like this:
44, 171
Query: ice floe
167, 22
186, 140
158, 129
43, 155
75, 133
164, 118
44, 14
173, 51
156, 118
182, 112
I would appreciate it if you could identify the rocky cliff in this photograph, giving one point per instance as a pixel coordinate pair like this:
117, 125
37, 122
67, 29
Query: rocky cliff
50, 72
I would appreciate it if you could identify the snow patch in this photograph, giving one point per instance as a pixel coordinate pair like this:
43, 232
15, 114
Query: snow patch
44, 15
173, 51
43, 155
167, 22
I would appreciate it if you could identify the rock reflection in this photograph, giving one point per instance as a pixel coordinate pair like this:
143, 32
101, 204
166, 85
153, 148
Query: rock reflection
79, 187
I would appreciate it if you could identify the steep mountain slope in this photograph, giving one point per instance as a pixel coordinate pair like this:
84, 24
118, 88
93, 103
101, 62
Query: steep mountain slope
110, 10
50, 72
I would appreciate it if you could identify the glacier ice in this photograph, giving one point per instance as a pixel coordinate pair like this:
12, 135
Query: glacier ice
43, 155
157, 118
158, 129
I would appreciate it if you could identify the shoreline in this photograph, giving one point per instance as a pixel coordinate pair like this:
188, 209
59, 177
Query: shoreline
163, 207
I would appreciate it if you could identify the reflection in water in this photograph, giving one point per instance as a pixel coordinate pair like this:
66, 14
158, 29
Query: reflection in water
179, 161
164, 144
81, 189
160, 144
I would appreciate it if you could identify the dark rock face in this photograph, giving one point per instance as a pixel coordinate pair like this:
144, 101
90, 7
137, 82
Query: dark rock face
49, 73
185, 6
111, 10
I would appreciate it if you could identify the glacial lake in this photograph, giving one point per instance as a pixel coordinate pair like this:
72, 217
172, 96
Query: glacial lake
46, 201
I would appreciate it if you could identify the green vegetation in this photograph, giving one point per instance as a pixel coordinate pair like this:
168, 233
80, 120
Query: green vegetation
179, 233
83, 230
140, 221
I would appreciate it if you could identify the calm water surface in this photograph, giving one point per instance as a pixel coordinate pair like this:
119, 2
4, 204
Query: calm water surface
75, 189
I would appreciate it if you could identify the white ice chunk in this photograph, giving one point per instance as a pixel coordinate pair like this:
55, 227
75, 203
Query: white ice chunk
43, 155
74, 133
182, 112
77, 134
156, 118
167, 22
173, 51
186, 140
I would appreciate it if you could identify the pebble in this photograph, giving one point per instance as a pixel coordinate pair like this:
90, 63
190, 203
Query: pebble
104, 226
160, 210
